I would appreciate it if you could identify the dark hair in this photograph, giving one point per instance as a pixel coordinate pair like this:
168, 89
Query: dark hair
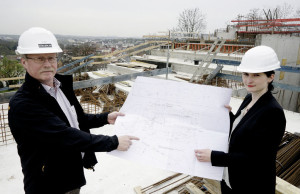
270, 86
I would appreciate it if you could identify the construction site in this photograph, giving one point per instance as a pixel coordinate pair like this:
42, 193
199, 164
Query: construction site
182, 57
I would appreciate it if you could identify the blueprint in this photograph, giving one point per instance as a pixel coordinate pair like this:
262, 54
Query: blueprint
172, 119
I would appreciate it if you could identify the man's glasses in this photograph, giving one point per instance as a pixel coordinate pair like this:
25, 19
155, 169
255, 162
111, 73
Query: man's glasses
42, 60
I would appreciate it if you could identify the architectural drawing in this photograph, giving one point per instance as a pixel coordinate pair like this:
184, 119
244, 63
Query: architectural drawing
172, 119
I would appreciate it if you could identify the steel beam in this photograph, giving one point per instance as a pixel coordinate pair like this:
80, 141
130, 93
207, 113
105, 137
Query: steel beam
74, 62
79, 67
226, 62
115, 79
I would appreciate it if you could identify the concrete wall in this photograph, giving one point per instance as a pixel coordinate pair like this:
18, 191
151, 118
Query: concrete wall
121, 70
287, 48
227, 35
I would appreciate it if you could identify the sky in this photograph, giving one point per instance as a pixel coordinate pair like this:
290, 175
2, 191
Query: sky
123, 18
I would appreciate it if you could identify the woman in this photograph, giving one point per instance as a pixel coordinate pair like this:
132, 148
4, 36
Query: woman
256, 130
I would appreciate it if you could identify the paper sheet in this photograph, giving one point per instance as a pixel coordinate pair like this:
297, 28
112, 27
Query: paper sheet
172, 119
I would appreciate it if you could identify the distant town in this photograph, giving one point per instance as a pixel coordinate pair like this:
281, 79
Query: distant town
74, 45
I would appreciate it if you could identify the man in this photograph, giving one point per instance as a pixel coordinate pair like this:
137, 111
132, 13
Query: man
49, 125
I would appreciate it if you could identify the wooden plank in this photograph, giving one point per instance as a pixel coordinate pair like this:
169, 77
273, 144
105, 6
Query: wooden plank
120, 51
128, 54
15, 86
126, 65
283, 187
213, 186
193, 189
146, 65
281, 75
138, 190
104, 74
11, 78
137, 64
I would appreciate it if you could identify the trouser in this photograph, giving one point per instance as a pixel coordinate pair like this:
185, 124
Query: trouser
75, 191
225, 189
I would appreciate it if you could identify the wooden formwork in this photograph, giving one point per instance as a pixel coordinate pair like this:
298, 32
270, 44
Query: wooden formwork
181, 184
185, 184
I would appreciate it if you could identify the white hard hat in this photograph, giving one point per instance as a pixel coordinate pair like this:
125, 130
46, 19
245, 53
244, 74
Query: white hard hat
37, 40
258, 60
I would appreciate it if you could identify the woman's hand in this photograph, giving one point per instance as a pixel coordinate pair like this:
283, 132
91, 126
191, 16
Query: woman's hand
203, 155
228, 107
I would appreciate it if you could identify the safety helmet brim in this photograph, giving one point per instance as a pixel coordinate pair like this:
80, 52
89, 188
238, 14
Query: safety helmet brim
257, 70
22, 51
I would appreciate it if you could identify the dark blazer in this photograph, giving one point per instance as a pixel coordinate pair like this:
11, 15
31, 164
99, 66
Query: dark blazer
50, 150
253, 146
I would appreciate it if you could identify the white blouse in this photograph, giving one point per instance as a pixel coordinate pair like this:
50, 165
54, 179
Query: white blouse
235, 123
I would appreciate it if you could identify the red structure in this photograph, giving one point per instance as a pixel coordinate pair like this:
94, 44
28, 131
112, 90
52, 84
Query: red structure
227, 48
275, 26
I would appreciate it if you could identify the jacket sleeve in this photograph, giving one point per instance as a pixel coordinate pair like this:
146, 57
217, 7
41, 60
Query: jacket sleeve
89, 121
30, 121
265, 137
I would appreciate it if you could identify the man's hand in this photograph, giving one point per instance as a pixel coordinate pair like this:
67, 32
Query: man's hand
203, 155
125, 142
111, 118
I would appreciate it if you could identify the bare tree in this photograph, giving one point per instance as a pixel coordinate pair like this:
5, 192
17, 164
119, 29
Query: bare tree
297, 13
254, 14
192, 20
280, 12
285, 10
271, 14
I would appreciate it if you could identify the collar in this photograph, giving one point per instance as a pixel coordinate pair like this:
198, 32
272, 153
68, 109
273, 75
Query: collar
56, 85
34, 84
260, 102
52, 90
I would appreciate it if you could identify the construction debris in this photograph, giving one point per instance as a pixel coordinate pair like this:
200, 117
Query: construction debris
288, 159
185, 184
181, 184
106, 99
81, 77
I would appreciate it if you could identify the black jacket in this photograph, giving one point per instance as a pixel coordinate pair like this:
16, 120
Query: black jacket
253, 146
50, 150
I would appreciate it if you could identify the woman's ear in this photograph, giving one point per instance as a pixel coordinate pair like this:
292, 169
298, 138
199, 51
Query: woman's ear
271, 78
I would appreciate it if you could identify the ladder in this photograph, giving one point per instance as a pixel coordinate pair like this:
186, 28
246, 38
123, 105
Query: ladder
200, 71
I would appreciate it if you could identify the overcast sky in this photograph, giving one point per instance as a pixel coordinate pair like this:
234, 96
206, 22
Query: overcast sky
124, 18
